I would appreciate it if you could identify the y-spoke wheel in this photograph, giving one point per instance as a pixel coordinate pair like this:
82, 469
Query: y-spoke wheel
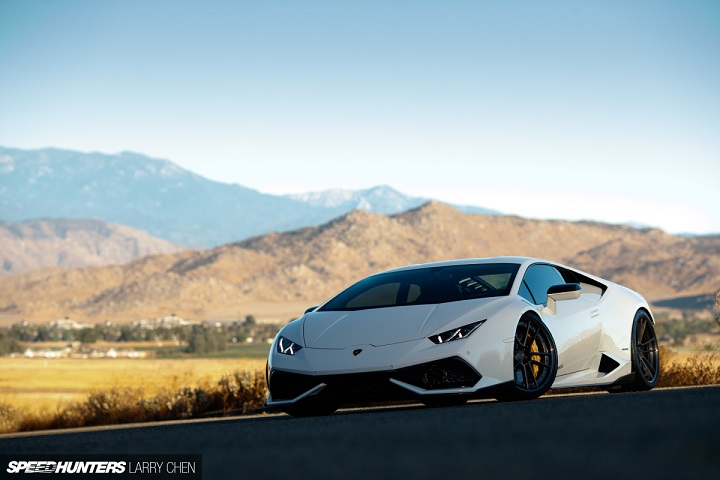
534, 360
645, 356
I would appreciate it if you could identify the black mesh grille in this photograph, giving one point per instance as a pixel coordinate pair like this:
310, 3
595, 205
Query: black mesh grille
447, 373
362, 386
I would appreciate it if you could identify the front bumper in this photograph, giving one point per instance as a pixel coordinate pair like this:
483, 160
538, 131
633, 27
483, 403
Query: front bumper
449, 376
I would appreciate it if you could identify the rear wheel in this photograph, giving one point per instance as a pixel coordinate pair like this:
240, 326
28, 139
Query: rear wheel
644, 355
534, 360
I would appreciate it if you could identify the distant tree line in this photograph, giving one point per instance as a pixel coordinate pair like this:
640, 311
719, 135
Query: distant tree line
204, 340
675, 331
8, 344
207, 337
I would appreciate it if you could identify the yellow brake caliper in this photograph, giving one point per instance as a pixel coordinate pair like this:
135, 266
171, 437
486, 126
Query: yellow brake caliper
534, 348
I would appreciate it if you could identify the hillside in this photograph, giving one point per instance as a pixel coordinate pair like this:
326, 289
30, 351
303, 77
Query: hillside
305, 266
41, 244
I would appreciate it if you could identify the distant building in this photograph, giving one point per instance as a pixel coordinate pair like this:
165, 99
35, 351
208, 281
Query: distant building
170, 321
68, 324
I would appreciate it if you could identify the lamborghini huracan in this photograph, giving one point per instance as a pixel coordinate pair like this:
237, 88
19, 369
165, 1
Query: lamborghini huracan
442, 333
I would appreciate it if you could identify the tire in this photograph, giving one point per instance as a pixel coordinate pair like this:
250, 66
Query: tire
644, 355
309, 408
535, 360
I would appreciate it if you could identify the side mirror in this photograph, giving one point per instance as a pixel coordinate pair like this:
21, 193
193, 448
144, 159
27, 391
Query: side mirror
559, 293
312, 309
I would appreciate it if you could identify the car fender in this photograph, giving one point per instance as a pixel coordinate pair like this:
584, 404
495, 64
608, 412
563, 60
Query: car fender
619, 306
491, 352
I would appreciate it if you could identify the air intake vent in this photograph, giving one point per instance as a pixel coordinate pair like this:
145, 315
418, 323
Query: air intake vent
286, 386
607, 364
446, 373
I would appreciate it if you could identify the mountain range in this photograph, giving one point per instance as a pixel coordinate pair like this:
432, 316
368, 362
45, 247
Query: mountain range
38, 244
279, 274
69, 209
380, 199
165, 200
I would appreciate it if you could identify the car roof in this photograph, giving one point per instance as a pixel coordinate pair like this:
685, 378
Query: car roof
470, 261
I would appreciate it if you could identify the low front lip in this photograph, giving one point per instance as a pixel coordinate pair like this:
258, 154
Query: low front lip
280, 403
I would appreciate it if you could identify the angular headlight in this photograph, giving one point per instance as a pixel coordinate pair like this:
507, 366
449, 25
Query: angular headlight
287, 347
455, 333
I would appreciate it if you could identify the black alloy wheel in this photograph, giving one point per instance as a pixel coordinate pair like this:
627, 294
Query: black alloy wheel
644, 355
534, 360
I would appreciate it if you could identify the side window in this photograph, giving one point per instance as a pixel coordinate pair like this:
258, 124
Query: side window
525, 292
538, 279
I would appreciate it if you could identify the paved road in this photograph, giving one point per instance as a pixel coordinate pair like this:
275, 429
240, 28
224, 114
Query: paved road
661, 434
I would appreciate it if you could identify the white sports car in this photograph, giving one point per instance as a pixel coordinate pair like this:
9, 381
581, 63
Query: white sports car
441, 333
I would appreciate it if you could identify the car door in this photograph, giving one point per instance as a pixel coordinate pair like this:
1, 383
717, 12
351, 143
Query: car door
575, 327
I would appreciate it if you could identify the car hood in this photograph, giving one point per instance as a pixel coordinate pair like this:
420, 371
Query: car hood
382, 326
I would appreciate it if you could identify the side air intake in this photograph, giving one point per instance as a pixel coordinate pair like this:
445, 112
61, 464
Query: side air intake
607, 364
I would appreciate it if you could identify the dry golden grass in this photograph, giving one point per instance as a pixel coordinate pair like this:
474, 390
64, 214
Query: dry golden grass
670, 356
679, 369
240, 392
40, 394
39, 385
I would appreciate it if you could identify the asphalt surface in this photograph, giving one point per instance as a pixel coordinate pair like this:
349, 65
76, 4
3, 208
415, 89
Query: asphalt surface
671, 433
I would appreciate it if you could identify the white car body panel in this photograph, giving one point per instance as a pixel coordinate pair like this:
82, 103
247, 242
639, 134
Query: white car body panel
585, 330
576, 328
382, 326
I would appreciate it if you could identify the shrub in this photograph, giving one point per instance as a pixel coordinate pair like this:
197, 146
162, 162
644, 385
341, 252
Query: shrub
8, 418
203, 340
8, 344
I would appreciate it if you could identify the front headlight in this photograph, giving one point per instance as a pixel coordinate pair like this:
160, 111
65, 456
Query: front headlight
287, 347
455, 333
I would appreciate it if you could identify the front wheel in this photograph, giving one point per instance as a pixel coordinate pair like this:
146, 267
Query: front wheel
534, 360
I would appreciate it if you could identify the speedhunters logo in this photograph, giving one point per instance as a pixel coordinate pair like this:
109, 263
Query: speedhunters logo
90, 466
40, 466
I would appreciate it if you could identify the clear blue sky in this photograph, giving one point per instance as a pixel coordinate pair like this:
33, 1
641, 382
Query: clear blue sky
606, 110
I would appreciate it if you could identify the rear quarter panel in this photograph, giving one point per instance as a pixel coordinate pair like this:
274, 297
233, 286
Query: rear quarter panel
618, 306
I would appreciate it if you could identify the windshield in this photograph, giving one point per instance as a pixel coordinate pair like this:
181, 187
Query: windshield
426, 286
